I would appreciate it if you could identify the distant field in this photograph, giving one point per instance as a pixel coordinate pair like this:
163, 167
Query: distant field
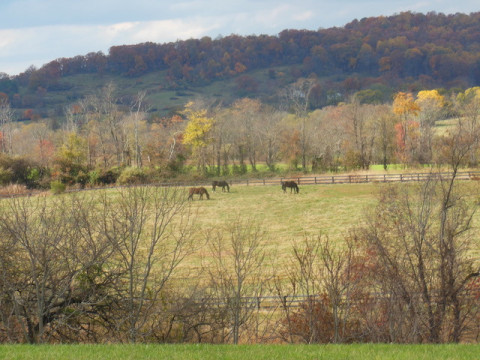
318, 209
331, 210
243, 352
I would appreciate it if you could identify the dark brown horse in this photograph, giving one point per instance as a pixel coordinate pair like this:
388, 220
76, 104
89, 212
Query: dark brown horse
220, 183
290, 184
197, 190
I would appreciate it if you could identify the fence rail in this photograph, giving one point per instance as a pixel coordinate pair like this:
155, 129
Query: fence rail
295, 301
304, 180
339, 179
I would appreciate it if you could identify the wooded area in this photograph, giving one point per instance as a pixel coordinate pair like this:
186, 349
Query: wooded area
103, 143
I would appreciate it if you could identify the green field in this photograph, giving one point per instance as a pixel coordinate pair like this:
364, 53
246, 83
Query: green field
318, 209
244, 352
327, 210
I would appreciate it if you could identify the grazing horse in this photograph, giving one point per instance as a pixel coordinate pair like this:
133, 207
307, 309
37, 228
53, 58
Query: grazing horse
220, 183
197, 190
290, 184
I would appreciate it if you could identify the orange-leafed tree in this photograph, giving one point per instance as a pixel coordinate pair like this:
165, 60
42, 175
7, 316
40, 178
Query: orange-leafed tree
405, 108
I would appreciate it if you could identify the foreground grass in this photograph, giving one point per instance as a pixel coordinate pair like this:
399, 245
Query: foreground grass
244, 352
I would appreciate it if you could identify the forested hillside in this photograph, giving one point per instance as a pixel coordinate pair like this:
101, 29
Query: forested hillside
378, 91
408, 51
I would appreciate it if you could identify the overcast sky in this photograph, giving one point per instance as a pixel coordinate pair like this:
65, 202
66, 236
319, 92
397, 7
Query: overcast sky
35, 32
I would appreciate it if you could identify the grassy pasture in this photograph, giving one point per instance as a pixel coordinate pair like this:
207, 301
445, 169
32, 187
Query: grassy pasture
331, 210
317, 209
244, 352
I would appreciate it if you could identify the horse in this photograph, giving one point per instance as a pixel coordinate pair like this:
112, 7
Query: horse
197, 190
220, 183
292, 185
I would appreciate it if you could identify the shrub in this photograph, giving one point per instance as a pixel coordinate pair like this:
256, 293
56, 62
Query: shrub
57, 187
93, 177
110, 176
132, 175
6, 176
82, 179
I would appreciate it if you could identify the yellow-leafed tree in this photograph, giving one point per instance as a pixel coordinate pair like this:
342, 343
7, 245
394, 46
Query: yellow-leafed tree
198, 132
431, 104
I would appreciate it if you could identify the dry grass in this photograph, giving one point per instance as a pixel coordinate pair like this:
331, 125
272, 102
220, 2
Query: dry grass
330, 210
13, 190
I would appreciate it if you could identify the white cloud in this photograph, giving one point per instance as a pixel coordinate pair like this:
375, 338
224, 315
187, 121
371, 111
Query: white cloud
39, 31
306, 15
46, 43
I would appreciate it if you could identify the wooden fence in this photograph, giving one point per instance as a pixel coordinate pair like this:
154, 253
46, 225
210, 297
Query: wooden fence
299, 300
334, 179
305, 180
355, 179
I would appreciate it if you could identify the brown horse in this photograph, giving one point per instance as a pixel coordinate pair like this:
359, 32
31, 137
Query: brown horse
197, 190
290, 184
220, 183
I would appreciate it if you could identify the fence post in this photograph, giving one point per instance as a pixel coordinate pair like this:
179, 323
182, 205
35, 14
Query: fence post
384, 178
366, 178
247, 182
264, 182
315, 180
333, 179
401, 178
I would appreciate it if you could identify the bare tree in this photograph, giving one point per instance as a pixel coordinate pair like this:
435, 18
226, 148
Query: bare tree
269, 139
6, 120
298, 98
420, 240
138, 110
48, 259
339, 283
235, 271
362, 132
150, 229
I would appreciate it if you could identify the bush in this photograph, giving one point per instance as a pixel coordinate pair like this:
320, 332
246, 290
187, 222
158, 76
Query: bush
57, 187
82, 179
6, 176
93, 177
132, 175
19, 168
109, 176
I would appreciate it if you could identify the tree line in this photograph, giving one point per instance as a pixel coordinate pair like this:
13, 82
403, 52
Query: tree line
104, 142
